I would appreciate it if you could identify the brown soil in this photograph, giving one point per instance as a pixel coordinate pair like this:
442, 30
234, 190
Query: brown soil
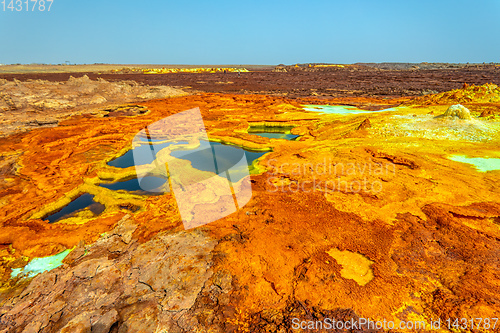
348, 82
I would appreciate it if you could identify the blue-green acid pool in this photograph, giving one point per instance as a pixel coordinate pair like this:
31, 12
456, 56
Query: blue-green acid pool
218, 157
143, 150
273, 132
482, 164
283, 136
40, 265
339, 109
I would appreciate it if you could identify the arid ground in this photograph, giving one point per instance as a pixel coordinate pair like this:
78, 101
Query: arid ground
385, 207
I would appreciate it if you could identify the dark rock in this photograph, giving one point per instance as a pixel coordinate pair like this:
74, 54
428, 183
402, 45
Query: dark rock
364, 124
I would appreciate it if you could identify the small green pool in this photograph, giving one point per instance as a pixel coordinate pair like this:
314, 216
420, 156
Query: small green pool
148, 185
40, 265
339, 109
283, 136
273, 132
144, 150
482, 164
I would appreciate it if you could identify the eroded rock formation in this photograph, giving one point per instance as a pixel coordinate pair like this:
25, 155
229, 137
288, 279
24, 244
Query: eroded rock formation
35, 103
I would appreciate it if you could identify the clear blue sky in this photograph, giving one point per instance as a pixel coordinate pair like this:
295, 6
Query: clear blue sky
252, 32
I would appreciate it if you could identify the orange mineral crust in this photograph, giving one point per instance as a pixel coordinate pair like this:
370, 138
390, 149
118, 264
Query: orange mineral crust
391, 214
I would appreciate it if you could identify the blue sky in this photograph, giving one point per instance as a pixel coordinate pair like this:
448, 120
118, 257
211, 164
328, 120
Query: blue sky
252, 32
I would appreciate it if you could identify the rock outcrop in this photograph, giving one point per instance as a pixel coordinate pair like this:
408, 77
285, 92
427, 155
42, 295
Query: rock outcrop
27, 104
456, 111
119, 282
